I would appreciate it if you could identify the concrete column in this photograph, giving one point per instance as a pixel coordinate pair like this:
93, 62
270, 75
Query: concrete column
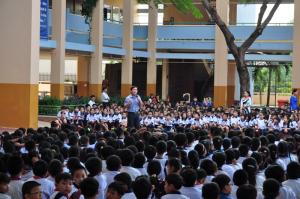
296, 48
83, 65
165, 80
231, 83
19, 55
128, 17
221, 62
95, 72
151, 64
58, 55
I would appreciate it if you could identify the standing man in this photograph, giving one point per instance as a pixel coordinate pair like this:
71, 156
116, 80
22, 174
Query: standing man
294, 100
133, 103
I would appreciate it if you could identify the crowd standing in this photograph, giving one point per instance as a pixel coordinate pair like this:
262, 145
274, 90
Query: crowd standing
155, 149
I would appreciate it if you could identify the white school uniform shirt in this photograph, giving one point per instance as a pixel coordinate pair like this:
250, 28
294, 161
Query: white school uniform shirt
148, 121
294, 185
47, 186
162, 120
143, 171
231, 168
91, 118
104, 118
117, 117
102, 186
286, 193
283, 162
15, 189
243, 123
261, 123
97, 116
4, 196
91, 103
162, 162
104, 97
133, 172
293, 125
174, 196
128, 196
191, 192
109, 176
224, 122
54, 195
234, 120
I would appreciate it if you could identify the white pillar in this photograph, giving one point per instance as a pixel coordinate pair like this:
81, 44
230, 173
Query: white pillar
151, 64
95, 72
58, 54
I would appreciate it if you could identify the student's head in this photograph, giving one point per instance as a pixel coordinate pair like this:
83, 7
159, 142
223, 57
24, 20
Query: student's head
271, 188
14, 165
251, 167
115, 190
219, 158
240, 177
94, 166
154, 168
125, 179
40, 168
173, 183
89, 188
189, 176
63, 183
113, 163
173, 166
246, 94
142, 187
31, 190
139, 160
224, 183
217, 142
78, 174
276, 172
55, 168
127, 157
201, 176
210, 191
4, 181
246, 191
293, 170
209, 166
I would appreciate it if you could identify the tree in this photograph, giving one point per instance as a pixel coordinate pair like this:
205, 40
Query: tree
238, 53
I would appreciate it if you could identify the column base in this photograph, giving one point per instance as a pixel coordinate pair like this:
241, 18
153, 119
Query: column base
220, 96
20, 105
83, 88
125, 89
151, 89
95, 89
58, 91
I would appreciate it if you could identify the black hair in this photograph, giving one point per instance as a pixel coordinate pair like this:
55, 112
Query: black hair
89, 187
132, 87
175, 164
201, 174
222, 180
106, 151
210, 191
230, 156
94, 166
14, 165
219, 158
189, 177
271, 188
150, 152
113, 163
250, 166
28, 186
246, 191
4, 178
194, 160
209, 166
154, 168
72, 163
293, 170
118, 187
40, 168
139, 160
126, 156
235, 141
243, 149
240, 177
175, 180
217, 142
142, 187
63, 177
125, 179
276, 172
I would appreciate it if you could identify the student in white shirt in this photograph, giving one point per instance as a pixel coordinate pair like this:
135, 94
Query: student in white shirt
189, 180
127, 157
113, 166
142, 188
14, 167
172, 186
31, 189
4, 181
240, 177
293, 178
92, 100
63, 186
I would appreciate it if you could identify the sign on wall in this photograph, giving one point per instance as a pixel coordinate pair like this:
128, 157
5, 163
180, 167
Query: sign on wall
44, 19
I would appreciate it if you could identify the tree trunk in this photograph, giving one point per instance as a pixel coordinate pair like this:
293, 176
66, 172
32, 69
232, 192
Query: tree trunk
243, 74
269, 87
276, 80
260, 95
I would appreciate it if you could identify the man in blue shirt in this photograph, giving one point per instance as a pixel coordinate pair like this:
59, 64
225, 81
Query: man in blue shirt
294, 100
133, 102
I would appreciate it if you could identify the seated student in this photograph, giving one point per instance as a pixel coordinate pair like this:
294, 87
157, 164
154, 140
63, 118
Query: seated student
172, 186
63, 186
224, 184
142, 187
94, 167
293, 175
54, 169
127, 182
78, 174
113, 166
240, 177
201, 175
161, 149
189, 180
115, 190
40, 176
127, 158
210, 167
14, 167
277, 172
173, 166
246, 191
210, 191
4, 181
89, 188
31, 190
271, 189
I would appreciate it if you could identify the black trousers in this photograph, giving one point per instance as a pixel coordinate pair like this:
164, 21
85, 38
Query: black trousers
133, 120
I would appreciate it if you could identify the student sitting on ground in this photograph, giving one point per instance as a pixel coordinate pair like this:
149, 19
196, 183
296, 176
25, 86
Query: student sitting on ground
172, 186
63, 186
31, 190
89, 188
4, 181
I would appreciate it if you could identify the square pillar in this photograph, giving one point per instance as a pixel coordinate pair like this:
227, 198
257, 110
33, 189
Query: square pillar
296, 49
95, 72
221, 62
165, 80
19, 55
151, 64
57, 78
83, 65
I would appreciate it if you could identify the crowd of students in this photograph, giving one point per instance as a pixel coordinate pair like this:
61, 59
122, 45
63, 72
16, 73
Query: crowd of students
180, 151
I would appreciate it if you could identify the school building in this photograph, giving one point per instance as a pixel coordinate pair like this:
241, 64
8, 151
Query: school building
161, 50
